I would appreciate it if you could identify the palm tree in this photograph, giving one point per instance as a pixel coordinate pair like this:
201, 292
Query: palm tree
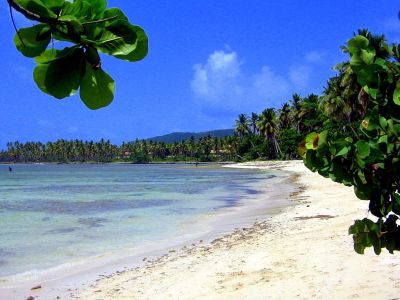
296, 110
285, 120
309, 116
268, 127
344, 100
253, 122
242, 125
332, 103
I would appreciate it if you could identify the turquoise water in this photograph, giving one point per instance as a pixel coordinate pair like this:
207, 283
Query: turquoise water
53, 214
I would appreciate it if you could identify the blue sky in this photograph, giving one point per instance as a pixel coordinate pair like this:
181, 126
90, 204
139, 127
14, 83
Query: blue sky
208, 61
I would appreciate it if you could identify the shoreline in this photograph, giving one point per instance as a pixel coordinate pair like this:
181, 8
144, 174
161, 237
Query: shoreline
304, 252
183, 162
62, 281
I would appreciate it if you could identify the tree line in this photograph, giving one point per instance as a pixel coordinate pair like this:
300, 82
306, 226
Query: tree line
140, 151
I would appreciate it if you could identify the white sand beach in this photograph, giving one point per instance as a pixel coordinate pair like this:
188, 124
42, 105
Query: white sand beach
303, 253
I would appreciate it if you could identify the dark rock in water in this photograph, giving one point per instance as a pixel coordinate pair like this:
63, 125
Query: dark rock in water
80, 208
92, 222
62, 230
36, 287
30, 298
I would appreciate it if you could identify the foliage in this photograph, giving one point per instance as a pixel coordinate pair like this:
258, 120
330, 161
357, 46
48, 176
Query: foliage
289, 140
252, 147
139, 151
90, 27
368, 158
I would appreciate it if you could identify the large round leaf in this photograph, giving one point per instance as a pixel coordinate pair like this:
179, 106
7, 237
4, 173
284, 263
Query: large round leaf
98, 6
60, 77
114, 12
357, 43
142, 46
363, 149
32, 41
53, 54
97, 88
124, 41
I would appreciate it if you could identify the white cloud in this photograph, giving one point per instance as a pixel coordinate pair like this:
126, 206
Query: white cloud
315, 57
269, 84
300, 76
220, 84
219, 77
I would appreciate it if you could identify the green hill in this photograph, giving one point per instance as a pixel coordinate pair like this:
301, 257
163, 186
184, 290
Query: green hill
181, 136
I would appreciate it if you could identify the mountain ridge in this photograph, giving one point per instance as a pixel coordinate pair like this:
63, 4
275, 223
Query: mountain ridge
182, 136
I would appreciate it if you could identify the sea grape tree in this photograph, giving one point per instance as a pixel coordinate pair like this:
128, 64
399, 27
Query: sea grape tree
369, 158
85, 28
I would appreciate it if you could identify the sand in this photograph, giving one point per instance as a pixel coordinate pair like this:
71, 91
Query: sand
303, 253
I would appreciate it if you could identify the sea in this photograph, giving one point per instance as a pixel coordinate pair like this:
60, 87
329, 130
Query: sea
53, 215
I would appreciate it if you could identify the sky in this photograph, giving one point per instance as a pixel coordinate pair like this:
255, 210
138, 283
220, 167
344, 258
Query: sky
208, 62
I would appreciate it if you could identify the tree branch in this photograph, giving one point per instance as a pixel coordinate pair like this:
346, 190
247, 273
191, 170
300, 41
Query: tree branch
15, 27
30, 15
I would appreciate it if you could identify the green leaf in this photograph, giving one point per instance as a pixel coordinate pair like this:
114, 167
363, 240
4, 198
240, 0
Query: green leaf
356, 62
383, 139
363, 192
111, 12
53, 54
37, 7
61, 76
123, 29
363, 149
73, 22
53, 4
71, 8
372, 92
381, 62
396, 94
124, 41
383, 122
368, 56
322, 138
32, 41
92, 57
359, 248
141, 48
312, 141
97, 88
357, 43
98, 6
343, 151
369, 75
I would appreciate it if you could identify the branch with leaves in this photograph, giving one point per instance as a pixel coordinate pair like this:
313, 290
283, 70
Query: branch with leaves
370, 159
91, 28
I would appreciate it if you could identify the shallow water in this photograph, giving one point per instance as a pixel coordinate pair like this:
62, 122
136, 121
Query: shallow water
53, 214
